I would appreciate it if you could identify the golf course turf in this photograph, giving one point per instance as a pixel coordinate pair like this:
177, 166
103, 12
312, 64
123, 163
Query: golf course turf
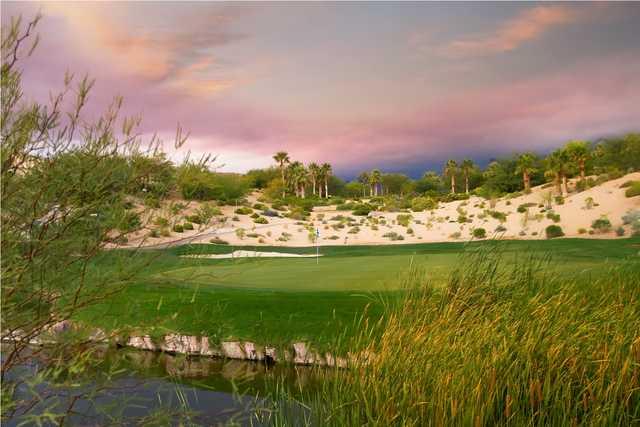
280, 300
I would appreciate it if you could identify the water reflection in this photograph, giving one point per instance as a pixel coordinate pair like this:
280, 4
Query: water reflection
205, 391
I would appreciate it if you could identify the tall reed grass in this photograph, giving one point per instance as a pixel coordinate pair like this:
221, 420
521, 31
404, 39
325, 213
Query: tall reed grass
501, 344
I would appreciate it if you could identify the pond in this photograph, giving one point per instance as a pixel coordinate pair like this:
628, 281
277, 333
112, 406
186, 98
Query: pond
129, 386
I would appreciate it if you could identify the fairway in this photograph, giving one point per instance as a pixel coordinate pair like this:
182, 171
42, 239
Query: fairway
279, 300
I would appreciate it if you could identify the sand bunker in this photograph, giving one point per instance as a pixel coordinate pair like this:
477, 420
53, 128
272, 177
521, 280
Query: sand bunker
246, 254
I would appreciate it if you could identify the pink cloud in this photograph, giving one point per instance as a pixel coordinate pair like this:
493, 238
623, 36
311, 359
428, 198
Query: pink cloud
527, 26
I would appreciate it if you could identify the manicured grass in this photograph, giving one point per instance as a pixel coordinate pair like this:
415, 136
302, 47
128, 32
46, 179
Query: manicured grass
279, 300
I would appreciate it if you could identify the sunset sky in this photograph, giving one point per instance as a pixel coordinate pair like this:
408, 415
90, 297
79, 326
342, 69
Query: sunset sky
398, 86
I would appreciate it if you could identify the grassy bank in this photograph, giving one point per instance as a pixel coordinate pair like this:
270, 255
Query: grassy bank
284, 299
499, 344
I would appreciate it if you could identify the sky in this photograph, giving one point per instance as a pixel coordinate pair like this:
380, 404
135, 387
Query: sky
396, 86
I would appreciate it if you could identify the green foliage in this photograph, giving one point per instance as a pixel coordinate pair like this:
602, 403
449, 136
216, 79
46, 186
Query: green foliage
261, 220
601, 225
187, 226
500, 216
243, 211
633, 190
479, 233
404, 220
419, 204
393, 236
525, 206
620, 231
362, 209
178, 228
261, 178
218, 241
553, 231
196, 182
553, 216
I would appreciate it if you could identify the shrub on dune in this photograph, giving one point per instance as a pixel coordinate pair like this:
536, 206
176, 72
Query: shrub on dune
554, 231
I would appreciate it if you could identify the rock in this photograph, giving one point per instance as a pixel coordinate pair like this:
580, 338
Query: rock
270, 355
143, 343
181, 344
207, 349
232, 350
252, 352
60, 327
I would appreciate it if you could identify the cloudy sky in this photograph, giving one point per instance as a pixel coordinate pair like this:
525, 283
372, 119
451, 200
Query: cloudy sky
399, 86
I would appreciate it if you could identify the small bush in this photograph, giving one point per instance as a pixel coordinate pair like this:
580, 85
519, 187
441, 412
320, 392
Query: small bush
559, 200
500, 216
253, 235
601, 225
403, 220
524, 207
479, 233
240, 233
243, 211
178, 228
363, 210
270, 213
501, 229
409, 230
633, 190
259, 206
255, 215
554, 231
161, 222
334, 237
620, 231
187, 226
393, 236
354, 230
218, 241
582, 230
588, 203
154, 233
455, 235
261, 220
235, 218
553, 216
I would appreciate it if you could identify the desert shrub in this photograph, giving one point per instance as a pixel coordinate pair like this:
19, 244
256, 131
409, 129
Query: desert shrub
261, 220
161, 221
479, 233
270, 213
187, 226
165, 232
279, 207
633, 190
354, 230
347, 206
581, 186
154, 233
553, 231
522, 233
620, 231
409, 230
194, 219
240, 233
255, 215
524, 207
285, 237
403, 219
218, 241
535, 233
243, 211
419, 204
601, 225
501, 229
178, 228
333, 237
392, 235
455, 235
130, 222
632, 218
627, 184
152, 202
588, 203
235, 218
363, 209
298, 213
582, 230
559, 200
259, 206
500, 216
553, 216
462, 219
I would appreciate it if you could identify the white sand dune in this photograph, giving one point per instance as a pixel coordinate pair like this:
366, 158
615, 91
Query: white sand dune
577, 213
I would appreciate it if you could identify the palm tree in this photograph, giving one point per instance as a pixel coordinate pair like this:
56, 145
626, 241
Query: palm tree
578, 152
282, 158
314, 174
557, 166
450, 169
376, 179
365, 180
467, 166
294, 176
325, 171
525, 166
